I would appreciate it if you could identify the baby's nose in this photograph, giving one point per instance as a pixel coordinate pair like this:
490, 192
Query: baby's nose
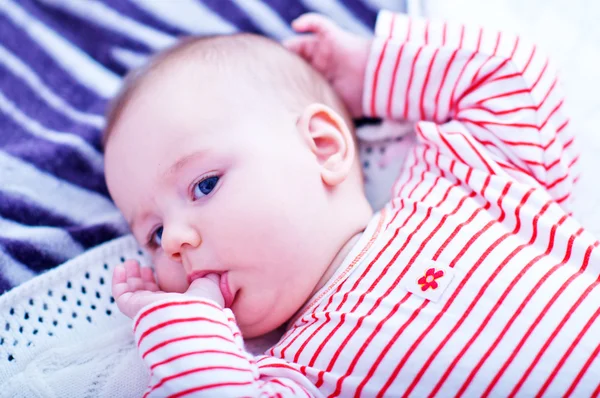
178, 238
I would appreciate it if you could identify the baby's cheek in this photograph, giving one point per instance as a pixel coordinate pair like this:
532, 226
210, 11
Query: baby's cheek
170, 278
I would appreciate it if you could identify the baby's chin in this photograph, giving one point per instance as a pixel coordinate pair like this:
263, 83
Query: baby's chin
265, 318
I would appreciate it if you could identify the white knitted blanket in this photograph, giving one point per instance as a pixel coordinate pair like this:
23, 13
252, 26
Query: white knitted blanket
63, 335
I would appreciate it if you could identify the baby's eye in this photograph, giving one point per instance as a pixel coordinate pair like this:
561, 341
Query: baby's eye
156, 238
204, 187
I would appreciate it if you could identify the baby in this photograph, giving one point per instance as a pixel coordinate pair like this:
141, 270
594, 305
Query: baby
235, 164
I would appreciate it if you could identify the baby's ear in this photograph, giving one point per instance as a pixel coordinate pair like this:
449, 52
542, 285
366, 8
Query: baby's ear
330, 139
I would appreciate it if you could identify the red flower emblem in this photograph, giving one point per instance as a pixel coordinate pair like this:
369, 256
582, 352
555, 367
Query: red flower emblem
428, 280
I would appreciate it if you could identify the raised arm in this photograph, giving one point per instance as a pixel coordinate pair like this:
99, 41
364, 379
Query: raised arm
484, 98
489, 99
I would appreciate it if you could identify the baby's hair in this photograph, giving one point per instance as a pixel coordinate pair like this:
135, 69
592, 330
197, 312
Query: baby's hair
266, 63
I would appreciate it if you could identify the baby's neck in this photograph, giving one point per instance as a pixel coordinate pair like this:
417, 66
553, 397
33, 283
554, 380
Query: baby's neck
337, 261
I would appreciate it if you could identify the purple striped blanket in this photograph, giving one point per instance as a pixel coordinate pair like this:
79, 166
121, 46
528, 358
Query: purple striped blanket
60, 63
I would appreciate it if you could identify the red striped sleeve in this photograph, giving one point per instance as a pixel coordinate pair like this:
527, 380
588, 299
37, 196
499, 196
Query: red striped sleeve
498, 89
193, 347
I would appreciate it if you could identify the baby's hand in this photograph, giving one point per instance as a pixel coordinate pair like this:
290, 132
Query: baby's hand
134, 287
340, 56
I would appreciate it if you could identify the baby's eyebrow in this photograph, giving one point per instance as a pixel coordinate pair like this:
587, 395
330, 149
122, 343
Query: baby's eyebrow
183, 161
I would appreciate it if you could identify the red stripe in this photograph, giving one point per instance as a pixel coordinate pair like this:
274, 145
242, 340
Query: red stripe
575, 160
410, 81
445, 141
276, 381
196, 370
177, 339
390, 98
562, 126
569, 143
437, 95
462, 71
484, 229
540, 75
528, 174
557, 181
444, 29
410, 173
539, 318
423, 174
485, 357
455, 294
463, 224
596, 392
446, 70
505, 77
479, 106
378, 69
506, 94
546, 167
492, 123
424, 90
176, 321
176, 357
556, 108
517, 74
512, 143
171, 304
395, 71
298, 333
479, 155
563, 198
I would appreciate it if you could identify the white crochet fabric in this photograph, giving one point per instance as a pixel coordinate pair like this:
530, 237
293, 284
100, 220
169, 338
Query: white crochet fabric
62, 334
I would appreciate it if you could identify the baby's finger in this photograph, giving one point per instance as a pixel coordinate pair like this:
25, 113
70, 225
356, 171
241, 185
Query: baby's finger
120, 289
119, 275
147, 274
304, 46
119, 282
132, 269
313, 22
135, 284
149, 280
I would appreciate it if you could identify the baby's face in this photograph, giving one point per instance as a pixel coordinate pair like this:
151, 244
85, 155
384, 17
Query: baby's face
212, 181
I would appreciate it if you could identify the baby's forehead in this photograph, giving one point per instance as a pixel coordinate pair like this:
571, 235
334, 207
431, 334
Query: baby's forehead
236, 71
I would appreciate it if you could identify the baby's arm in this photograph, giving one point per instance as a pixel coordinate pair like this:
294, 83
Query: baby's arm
192, 345
484, 98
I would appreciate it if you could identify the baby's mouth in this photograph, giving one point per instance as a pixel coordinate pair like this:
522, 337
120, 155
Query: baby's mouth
228, 296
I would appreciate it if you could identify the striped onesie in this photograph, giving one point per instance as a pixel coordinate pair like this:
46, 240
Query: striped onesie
473, 281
